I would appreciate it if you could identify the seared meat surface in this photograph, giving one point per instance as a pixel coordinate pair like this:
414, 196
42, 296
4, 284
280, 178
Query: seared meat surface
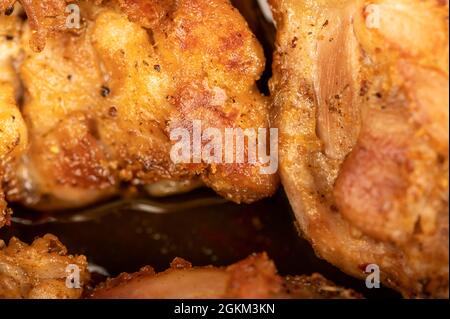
45, 17
101, 101
13, 133
254, 277
361, 98
40, 270
360, 95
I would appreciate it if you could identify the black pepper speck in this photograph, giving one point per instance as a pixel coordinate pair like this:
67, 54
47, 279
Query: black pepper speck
105, 91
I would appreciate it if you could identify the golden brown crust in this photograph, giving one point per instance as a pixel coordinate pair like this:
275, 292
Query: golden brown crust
48, 17
45, 18
253, 278
13, 133
39, 270
139, 80
364, 134
146, 13
5, 213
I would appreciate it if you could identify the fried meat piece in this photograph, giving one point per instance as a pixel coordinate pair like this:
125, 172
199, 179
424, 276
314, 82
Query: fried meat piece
40, 270
13, 132
45, 17
361, 98
13, 139
101, 103
254, 277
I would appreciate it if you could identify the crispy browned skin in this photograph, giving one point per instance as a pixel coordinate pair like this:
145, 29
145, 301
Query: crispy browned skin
45, 17
13, 133
100, 103
363, 118
48, 17
254, 277
39, 270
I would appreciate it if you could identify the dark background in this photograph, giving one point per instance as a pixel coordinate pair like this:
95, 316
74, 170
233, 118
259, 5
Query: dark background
124, 235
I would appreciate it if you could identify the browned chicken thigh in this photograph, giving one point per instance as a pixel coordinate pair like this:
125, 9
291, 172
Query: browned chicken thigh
252, 278
13, 133
361, 100
101, 101
45, 270
41, 270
